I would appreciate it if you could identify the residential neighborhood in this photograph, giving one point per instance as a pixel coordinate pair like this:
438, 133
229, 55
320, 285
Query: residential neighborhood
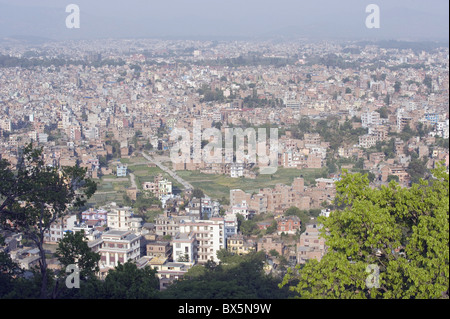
338, 107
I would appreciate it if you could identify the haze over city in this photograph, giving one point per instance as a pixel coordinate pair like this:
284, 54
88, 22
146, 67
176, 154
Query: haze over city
406, 20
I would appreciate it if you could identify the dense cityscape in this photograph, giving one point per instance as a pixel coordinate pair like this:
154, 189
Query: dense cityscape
362, 128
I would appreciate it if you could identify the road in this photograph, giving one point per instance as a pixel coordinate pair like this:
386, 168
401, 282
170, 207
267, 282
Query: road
133, 180
174, 175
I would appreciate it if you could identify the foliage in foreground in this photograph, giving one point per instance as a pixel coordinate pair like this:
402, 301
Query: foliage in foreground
402, 233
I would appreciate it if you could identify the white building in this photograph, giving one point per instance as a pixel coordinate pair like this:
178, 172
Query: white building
121, 170
121, 218
209, 235
59, 227
237, 170
184, 247
119, 246
241, 209
370, 118
231, 226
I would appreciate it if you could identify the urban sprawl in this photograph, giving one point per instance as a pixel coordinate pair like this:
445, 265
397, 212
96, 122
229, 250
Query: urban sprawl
110, 106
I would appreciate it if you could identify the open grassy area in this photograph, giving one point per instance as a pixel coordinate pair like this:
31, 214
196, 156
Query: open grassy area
112, 188
144, 174
218, 186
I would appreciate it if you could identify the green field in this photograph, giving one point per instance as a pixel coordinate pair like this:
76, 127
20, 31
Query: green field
144, 174
218, 186
111, 188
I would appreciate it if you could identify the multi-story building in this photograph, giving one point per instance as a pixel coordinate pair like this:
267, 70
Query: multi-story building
59, 227
237, 170
94, 215
158, 248
238, 245
368, 140
370, 119
119, 246
288, 225
268, 243
121, 218
184, 248
279, 198
311, 244
167, 225
159, 187
209, 237
231, 225
121, 170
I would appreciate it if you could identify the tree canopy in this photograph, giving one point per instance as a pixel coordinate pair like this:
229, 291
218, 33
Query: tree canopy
236, 277
397, 236
34, 195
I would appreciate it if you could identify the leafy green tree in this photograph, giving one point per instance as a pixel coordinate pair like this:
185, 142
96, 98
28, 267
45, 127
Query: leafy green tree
274, 253
402, 232
417, 169
393, 178
304, 218
428, 82
197, 193
73, 249
272, 228
8, 271
34, 196
384, 112
241, 277
397, 86
127, 281
248, 227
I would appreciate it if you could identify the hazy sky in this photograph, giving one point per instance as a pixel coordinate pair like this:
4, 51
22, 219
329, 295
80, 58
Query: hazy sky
399, 19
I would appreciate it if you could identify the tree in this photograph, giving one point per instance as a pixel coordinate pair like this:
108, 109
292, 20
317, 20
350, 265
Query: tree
403, 233
248, 227
428, 82
127, 281
272, 228
304, 218
393, 178
417, 169
384, 112
73, 249
8, 271
397, 86
242, 277
34, 196
197, 193
274, 253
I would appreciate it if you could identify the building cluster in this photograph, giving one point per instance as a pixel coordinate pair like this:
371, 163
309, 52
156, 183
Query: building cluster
129, 95
282, 197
